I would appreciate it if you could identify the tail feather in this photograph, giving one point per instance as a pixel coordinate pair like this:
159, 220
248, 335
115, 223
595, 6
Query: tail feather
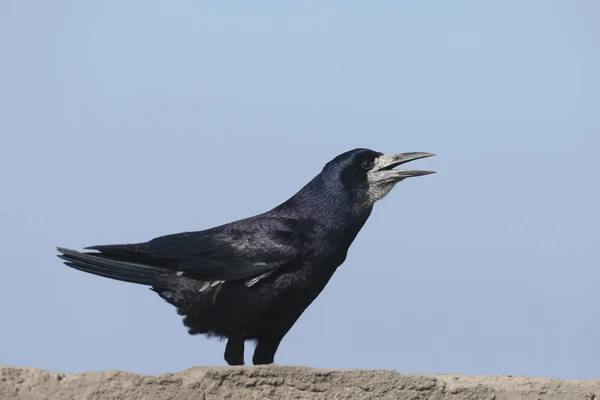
116, 269
122, 250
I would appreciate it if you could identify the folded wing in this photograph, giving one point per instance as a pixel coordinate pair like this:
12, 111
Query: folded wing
245, 250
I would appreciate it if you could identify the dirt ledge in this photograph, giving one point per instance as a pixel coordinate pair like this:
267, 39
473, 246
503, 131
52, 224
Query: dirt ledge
282, 382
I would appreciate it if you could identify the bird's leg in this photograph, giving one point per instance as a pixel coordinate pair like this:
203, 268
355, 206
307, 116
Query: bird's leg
234, 351
266, 349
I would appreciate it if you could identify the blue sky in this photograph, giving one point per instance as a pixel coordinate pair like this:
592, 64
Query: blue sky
122, 121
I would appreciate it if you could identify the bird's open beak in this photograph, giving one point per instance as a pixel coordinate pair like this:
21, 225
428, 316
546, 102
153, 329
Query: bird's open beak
384, 166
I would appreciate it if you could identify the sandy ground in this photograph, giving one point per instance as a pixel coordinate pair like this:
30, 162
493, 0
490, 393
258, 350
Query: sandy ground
279, 382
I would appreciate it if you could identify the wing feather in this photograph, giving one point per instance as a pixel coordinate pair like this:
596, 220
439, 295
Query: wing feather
242, 250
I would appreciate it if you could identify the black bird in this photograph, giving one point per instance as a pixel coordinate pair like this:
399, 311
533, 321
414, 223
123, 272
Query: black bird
252, 279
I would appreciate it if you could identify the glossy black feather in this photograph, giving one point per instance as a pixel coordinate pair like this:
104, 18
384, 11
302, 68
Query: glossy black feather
239, 250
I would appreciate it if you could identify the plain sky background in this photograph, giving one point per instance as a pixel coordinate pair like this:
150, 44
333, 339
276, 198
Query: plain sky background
122, 121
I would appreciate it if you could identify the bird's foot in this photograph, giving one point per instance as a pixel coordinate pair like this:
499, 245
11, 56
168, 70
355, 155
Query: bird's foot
234, 351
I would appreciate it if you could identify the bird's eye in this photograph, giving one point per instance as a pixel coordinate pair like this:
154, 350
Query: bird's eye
367, 164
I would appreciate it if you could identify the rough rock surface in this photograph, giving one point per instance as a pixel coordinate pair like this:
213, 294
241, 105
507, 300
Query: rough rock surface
279, 382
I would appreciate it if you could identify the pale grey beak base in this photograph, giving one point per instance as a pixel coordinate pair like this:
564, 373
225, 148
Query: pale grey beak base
382, 177
388, 162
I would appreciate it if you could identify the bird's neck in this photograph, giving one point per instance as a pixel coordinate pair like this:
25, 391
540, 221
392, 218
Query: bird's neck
337, 210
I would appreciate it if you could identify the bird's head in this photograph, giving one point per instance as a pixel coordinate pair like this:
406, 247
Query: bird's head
374, 173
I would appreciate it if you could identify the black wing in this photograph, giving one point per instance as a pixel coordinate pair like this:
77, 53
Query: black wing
240, 250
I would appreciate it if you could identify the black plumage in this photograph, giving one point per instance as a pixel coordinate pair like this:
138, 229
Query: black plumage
252, 279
